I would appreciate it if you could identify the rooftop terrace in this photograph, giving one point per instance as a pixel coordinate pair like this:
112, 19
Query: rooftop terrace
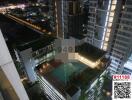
62, 76
36, 43
90, 52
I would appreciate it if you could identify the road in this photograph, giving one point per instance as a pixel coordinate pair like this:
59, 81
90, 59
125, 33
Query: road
27, 24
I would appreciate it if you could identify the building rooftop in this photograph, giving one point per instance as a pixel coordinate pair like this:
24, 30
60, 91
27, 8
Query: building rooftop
78, 36
71, 90
36, 15
90, 52
16, 33
36, 44
62, 76
22, 36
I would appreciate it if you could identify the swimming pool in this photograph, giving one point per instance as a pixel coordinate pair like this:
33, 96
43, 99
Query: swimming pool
65, 71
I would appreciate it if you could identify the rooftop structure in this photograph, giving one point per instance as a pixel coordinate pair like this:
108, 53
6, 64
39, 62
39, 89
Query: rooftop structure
34, 52
29, 47
69, 17
67, 79
120, 45
35, 44
108, 27
90, 52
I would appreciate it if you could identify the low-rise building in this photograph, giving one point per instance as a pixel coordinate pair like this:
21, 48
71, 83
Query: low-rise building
33, 53
71, 74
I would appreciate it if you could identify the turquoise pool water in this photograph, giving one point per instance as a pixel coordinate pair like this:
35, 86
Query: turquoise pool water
67, 70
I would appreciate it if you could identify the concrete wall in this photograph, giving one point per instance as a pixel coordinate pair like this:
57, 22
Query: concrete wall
62, 56
76, 95
97, 43
8, 67
1, 97
29, 64
65, 45
77, 41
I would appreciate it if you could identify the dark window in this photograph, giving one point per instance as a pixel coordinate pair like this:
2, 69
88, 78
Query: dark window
71, 8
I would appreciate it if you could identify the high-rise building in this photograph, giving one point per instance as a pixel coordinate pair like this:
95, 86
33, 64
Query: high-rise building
109, 28
10, 83
69, 17
99, 21
128, 66
120, 42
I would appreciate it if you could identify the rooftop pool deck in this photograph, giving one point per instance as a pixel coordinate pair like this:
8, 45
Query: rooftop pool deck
66, 71
62, 75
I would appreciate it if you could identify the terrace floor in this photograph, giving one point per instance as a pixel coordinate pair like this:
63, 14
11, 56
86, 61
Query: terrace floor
90, 52
68, 70
62, 75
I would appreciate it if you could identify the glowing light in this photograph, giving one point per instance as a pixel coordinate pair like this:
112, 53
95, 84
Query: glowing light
49, 33
42, 20
40, 70
112, 14
123, 7
82, 58
109, 25
25, 78
113, 7
108, 20
3, 9
21, 6
104, 48
44, 30
114, 1
108, 93
63, 18
86, 61
47, 64
106, 39
44, 66
108, 34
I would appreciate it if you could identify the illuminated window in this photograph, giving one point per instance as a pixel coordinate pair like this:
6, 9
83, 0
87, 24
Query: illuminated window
109, 24
108, 30
123, 7
106, 39
113, 7
114, 1
107, 34
110, 19
105, 44
104, 48
112, 14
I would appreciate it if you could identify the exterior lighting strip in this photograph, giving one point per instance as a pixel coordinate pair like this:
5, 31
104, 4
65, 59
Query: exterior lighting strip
56, 18
106, 22
21, 21
110, 20
12, 7
85, 60
62, 18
